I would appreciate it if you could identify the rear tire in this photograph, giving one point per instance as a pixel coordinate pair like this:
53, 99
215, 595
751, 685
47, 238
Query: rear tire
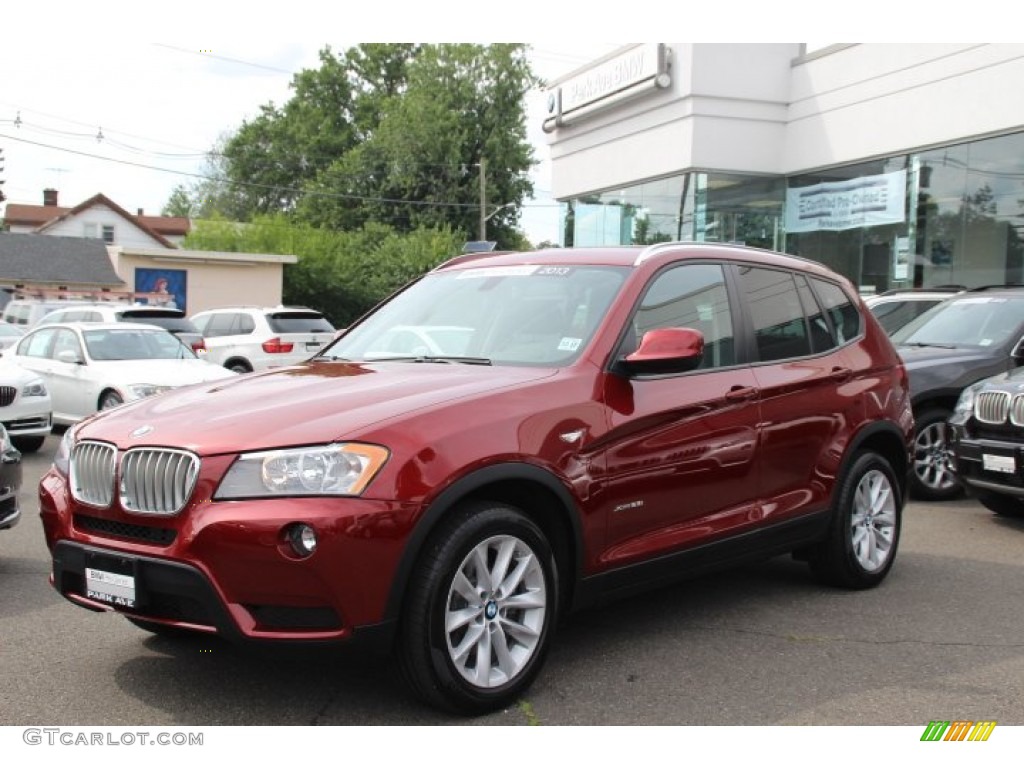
864, 532
480, 611
239, 366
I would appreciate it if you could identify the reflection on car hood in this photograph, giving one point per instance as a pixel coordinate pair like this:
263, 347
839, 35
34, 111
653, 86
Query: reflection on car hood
301, 405
167, 373
1011, 381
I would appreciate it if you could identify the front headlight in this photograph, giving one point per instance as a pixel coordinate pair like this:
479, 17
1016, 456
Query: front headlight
339, 469
62, 459
965, 405
35, 388
146, 390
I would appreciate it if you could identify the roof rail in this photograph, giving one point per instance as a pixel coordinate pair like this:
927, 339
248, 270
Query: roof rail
923, 289
653, 250
997, 287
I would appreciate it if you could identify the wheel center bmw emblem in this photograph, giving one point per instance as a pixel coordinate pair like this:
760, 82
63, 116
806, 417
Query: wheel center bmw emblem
140, 431
491, 610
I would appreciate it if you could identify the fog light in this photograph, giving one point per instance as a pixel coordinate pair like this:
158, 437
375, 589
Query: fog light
302, 537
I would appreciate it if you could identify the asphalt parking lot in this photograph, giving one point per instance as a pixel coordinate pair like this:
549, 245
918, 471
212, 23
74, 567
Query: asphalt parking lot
943, 637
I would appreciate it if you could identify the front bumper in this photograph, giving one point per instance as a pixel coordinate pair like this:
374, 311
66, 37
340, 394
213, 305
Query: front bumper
22, 421
226, 567
990, 464
10, 484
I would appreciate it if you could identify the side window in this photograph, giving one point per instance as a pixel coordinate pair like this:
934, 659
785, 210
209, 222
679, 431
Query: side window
689, 296
37, 344
844, 315
780, 328
821, 335
219, 325
200, 323
243, 324
66, 341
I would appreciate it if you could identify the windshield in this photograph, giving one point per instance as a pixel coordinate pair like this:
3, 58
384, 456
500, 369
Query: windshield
134, 344
523, 315
980, 321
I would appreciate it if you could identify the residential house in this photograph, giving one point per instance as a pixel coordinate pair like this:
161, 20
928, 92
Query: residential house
144, 252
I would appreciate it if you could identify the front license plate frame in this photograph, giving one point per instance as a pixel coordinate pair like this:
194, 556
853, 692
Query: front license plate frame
1004, 465
111, 580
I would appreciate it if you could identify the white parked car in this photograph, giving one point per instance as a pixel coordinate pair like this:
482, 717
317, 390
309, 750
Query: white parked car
92, 366
25, 406
248, 339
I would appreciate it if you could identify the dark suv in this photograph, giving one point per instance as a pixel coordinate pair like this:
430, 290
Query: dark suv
561, 427
986, 441
955, 344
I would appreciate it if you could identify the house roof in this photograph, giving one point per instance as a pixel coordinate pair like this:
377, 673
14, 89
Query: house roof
101, 199
58, 260
43, 216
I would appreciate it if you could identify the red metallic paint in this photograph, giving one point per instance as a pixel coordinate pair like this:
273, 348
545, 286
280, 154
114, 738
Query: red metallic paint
653, 465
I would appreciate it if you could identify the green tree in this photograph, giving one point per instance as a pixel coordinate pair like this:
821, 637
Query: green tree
179, 203
385, 132
420, 166
342, 274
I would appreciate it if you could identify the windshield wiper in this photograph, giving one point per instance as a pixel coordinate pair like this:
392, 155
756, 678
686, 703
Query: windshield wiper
929, 344
431, 359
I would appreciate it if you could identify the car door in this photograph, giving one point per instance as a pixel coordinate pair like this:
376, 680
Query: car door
680, 462
72, 388
807, 394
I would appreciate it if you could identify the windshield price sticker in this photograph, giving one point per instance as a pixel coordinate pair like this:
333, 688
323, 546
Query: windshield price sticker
114, 588
520, 271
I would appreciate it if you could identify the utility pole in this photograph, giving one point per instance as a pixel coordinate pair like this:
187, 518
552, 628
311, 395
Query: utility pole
483, 198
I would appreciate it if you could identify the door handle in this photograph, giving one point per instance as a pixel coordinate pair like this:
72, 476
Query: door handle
840, 374
740, 394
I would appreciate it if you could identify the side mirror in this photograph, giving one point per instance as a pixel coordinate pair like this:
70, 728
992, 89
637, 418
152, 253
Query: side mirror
666, 350
69, 356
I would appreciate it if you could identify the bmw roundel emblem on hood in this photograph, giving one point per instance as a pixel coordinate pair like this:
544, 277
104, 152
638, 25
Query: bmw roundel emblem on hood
140, 431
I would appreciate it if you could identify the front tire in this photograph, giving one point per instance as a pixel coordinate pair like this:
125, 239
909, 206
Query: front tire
28, 444
1007, 506
865, 529
110, 399
480, 611
933, 478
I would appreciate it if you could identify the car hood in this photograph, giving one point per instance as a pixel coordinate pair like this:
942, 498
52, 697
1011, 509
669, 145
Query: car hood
938, 370
300, 405
1011, 381
916, 358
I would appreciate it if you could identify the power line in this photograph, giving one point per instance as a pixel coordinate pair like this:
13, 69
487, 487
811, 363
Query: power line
254, 185
207, 55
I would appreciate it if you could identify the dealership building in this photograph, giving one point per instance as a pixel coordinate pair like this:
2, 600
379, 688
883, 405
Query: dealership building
896, 165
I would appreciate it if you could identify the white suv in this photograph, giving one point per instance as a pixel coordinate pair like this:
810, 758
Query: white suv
248, 339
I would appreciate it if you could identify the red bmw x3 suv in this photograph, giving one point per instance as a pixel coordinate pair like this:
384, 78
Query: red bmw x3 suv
509, 437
